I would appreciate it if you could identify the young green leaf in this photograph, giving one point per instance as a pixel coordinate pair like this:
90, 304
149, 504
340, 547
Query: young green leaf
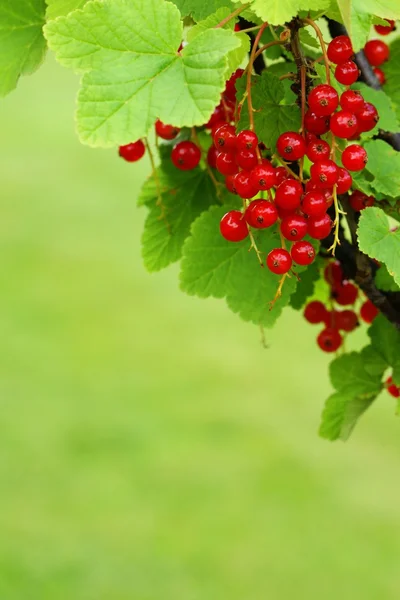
200, 9
277, 12
384, 165
385, 340
384, 281
56, 8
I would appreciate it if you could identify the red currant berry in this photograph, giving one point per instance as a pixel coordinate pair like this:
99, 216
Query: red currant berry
279, 261
225, 138
347, 73
212, 157
367, 114
346, 320
230, 184
217, 125
314, 204
302, 253
345, 293
312, 186
246, 159
245, 188
132, 152
264, 175
344, 181
218, 116
333, 273
246, 140
291, 146
315, 312
343, 124
354, 158
376, 52
392, 388
340, 49
359, 201
325, 173
294, 227
186, 155
236, 28
166, 132
281, 175
288, 194
323, 100
315, 124
368, 311
352, 101
226, 163
329, 340
385, 29
318, 150
230, 87
233, 227
319, 227
261, 214
380, 75
309, 138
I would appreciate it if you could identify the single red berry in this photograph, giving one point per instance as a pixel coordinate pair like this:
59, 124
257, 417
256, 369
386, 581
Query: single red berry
246, 159
352, 101
318, 150
218, 116
344, 181
216, 126
325, 173
246, 140
312, 186
323, 100
281, 175
212, 156
364, 126
261, 214
329, 340
314, 204
132, 152
291, 146
279, 261
346, 320
186, 155
359, 201
226, 163
347, 73
315, 312
385, 29
233, 227
354, 158
392, 388
315, 124
230, 184
288, 194
345, 293
166, 132
333, 273
303, 253
368, 113
244, 186
319, 227
294, 227
340, 49
376, 52
264, 175
380, 75
225, 137
344, 124
310, 137
368, 311
230, 87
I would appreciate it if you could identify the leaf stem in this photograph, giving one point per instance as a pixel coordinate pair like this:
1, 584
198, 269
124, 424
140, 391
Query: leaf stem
231, 16
323, 47
249, 73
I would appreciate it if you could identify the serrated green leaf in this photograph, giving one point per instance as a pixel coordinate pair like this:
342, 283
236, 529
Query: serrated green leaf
185, 195
362, 181
307, 38
133, 72
385, 339
384, 281
278, 12
57, 8
387, 116
376, 239
392, 73
384, 165
22, 45
200, 9
271, 118
305, 287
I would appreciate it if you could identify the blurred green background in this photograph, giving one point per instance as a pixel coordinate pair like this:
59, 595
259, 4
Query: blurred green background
150, 449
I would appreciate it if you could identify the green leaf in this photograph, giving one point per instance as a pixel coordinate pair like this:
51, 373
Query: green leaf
22, 45
384, 165
133, 73
278, 12
185, 195
385, 339
392, 72
271, 118
56, 8
306, 286
377, 240
387, 116
321, 72
384, 281
200, 9
307, 38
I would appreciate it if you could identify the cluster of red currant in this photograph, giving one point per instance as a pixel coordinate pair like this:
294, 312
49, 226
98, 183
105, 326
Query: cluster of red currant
338, 322
377, 52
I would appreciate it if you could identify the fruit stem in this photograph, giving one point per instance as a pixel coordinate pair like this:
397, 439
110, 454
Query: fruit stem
278, 291
323, 47
232, 16
336, 223
249, 72
249, 29
288, 169
269, 45
253, 241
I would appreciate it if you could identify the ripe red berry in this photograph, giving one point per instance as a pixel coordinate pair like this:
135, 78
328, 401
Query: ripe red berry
230, 184
368, 311
376, 52
319, 227
244, 186
218, 117
345, 293
333, 273
314, 204
385, 29
344, 124
318, 150
354, 158
288, 194
233, 227
315, 124
261, 214
246, 159
359, 201
380, 75
246, 140
340, 49
225, 137
352, 101
367, 113
344, 181
302, 253
186, 155
281, 175
230, 87
392, 388
279, 261
294, 227
166, 132
132, 152
291, 146
264, 175
226, 163
315, 312
212, 156
347, 73
329, 340
346, 320
325, 173
323, 100
310, 137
